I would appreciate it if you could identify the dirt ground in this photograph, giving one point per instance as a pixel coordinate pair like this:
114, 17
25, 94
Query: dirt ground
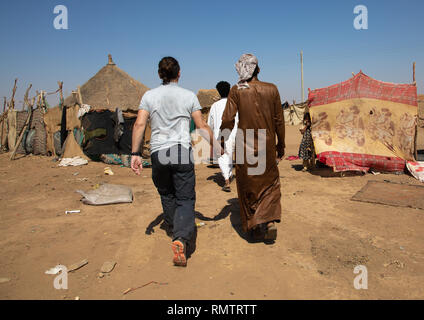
322, 237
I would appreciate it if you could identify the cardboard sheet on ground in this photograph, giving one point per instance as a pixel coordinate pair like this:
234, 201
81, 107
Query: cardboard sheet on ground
363, 123
392, 194
107, 194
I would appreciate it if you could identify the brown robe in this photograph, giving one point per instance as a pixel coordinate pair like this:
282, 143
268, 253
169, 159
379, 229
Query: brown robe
259, 107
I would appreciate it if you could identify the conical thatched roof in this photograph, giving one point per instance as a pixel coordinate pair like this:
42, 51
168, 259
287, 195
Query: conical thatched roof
207, 97
110, 88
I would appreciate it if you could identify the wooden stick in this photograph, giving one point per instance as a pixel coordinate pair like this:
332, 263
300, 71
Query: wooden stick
3, 120
415, 142
144, 285
60, 83
42, 100
413, 72
301, 75
416, 124
26, 101
38, 98
12, 100
79, 95
416, 139
22, 132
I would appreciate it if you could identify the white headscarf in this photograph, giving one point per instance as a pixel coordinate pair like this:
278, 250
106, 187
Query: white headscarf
245, 67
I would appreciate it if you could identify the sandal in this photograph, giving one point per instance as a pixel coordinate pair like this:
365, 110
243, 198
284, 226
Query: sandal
271, 231
226, 188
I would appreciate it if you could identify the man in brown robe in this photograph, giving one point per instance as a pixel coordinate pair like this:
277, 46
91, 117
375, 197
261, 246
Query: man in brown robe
259, 107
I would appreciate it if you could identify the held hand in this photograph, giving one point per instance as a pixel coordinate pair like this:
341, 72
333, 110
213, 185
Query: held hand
280, 155
136, 165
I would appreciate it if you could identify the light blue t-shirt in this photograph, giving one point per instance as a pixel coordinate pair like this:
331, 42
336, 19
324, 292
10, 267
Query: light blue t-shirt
170, 108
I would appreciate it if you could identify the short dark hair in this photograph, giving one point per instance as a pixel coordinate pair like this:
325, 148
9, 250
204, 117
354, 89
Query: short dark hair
168, 69
223, 88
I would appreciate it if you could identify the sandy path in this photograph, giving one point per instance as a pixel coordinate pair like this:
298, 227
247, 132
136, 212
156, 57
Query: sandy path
322, 237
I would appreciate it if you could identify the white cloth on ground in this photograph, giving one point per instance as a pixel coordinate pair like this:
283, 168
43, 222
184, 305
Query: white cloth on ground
75, 161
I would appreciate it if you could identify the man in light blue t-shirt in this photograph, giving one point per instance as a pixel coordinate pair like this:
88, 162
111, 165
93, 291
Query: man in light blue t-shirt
170, 109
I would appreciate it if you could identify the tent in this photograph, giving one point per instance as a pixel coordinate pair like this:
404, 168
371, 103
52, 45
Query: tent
107, 92
207, 97
293, 114
364, 123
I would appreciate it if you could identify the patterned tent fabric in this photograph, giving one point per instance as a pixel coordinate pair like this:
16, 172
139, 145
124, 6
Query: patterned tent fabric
416, 169
293, 114
364, 123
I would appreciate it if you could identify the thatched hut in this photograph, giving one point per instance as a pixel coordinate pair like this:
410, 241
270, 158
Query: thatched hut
207, 97
109, 89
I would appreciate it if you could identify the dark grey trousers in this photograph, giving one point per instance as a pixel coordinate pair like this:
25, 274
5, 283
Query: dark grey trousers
174, 177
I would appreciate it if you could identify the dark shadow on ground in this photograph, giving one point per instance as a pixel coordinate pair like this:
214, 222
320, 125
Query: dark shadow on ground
322, 171
164, 226
297, 167
218, 179
327, 172
191, 244
150, 228
232, 209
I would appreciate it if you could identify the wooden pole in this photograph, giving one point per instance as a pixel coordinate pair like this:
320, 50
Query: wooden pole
301, 71
61, 104
22, 134
26, 101
416, 124
3, 120
60, 83
413, 73
80, 96
415, 142
12, 100
25, 126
